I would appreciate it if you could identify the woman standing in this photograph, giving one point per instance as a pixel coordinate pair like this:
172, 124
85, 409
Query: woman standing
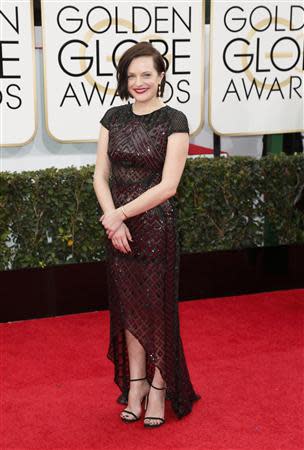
141, 154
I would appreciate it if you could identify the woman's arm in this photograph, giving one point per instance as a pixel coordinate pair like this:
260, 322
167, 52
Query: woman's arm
102, 172
176, 156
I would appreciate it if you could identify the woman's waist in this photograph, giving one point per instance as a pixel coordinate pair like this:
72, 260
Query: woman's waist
131, 190
136, 182
164, 210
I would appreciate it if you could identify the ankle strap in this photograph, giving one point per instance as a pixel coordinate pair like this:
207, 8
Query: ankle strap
160, 389
137, 379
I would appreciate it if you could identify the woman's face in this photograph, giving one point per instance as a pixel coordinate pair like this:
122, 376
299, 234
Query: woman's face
143, 79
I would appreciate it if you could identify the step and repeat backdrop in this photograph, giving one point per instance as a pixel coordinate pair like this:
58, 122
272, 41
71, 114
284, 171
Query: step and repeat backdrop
83, 42
255, 65
18, 102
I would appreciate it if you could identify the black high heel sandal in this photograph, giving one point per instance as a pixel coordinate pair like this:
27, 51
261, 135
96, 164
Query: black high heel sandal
125, 419
153, 425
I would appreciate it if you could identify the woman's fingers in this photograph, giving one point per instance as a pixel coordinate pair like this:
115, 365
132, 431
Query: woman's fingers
126, 244
119, 245
116, 244
128, 234
120, 238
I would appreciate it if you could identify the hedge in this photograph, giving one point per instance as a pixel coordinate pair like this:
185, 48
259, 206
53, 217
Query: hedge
50, 217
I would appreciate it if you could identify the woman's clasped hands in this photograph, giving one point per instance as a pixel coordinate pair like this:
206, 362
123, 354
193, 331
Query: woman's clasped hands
117, 230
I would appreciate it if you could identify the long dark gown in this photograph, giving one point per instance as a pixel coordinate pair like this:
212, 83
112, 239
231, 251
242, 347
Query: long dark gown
143, 285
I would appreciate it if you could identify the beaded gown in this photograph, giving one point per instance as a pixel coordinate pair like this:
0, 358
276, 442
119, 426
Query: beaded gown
143, 284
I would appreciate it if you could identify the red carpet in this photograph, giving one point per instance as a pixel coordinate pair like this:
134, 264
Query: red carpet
245, 356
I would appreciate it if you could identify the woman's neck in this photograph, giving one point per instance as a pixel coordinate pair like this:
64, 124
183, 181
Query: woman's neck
147, 107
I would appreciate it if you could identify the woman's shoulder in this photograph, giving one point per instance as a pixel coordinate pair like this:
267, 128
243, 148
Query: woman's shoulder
178, 120
111, 114
175, 112
114, 109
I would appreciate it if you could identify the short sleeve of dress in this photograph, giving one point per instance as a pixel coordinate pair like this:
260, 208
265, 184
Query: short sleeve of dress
106, 120
178, 123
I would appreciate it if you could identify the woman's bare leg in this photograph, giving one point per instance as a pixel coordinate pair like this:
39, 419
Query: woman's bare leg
137, 356
156, 405
137, 366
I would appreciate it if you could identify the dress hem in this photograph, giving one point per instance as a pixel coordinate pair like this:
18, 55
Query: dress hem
179, 411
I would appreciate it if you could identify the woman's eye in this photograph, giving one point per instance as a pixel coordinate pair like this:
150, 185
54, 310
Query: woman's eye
145, 75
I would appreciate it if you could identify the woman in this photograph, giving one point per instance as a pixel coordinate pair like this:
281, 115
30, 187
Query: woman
143, 146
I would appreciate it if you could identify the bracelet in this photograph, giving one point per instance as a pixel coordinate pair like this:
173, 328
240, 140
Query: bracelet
123, 211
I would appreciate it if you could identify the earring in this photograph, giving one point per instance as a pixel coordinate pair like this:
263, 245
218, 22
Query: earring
159, 91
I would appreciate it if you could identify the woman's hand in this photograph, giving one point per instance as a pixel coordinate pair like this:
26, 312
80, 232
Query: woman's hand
112, 221
120, 238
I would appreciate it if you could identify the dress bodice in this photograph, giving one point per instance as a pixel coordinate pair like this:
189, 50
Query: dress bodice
137, 143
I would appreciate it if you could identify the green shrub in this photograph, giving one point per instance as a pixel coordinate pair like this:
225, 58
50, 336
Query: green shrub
50, 217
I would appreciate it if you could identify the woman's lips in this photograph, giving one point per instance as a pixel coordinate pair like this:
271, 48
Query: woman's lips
140, 91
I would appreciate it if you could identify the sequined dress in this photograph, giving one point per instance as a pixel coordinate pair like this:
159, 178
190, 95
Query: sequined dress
143, 285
